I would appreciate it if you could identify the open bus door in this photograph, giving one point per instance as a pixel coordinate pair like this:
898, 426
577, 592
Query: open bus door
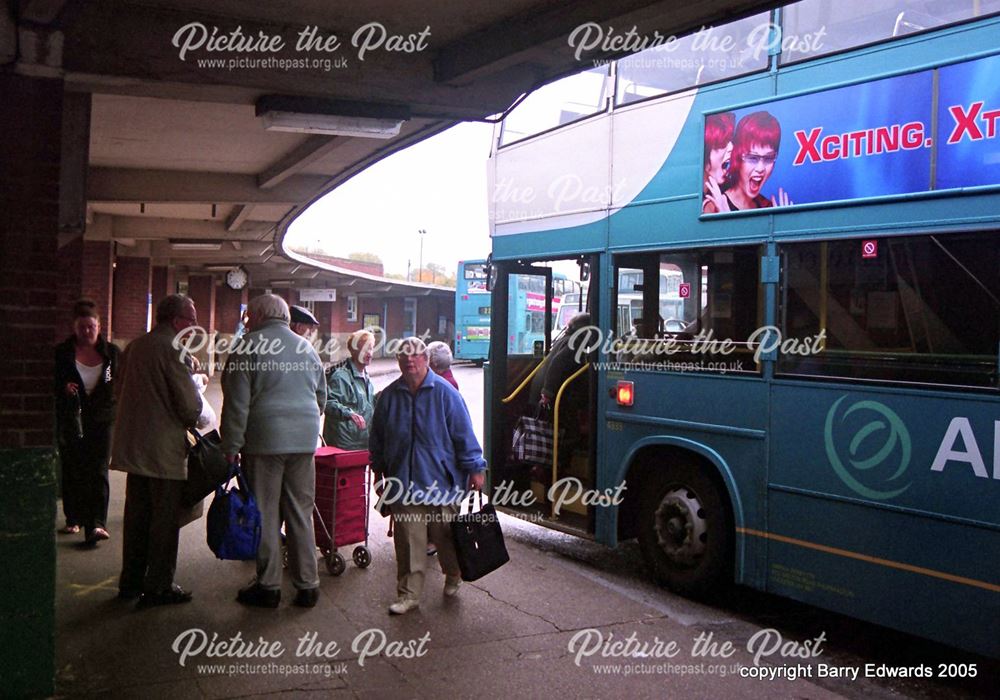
523, 348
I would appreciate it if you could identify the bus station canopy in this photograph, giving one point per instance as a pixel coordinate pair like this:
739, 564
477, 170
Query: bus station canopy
190, 125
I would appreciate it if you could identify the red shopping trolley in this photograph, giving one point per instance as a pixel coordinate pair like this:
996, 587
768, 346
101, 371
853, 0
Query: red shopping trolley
340, 516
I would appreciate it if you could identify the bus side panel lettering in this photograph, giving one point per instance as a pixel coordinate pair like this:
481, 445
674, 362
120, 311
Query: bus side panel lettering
971, 455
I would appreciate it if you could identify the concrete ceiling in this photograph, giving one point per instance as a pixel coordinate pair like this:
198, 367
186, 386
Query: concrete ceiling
159, 149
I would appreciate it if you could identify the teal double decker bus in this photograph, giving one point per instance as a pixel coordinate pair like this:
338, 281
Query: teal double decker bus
789, 247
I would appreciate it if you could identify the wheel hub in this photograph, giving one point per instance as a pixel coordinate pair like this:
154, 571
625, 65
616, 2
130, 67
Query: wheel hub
680, 526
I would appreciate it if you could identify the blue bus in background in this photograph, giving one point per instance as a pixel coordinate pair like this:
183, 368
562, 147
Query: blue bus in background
527, 297
791, 253
472, 312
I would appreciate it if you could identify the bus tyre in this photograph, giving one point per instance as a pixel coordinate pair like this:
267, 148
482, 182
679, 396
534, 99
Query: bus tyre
686, 533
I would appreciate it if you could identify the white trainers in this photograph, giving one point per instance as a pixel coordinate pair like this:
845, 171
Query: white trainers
403, 606
451, 585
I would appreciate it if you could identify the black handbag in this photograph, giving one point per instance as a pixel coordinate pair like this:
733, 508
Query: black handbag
207, 467
479, 544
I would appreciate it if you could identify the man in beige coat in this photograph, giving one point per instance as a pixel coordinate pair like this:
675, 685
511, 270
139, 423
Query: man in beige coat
157, 403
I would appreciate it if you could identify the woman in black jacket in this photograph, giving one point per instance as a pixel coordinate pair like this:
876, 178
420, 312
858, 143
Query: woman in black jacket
85, 411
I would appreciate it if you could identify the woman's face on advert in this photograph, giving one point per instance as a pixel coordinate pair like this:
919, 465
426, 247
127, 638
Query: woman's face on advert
718, 162
757, 165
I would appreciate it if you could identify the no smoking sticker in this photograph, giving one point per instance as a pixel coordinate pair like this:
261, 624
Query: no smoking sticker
685, 290
869, 249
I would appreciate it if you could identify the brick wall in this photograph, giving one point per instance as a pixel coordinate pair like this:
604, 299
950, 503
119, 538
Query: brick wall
288, 294
338, 317
84, 271
201, 289
323, 311
133, 277
227, 308
31, 114
29, 273
164, 283
97, 279
68, 261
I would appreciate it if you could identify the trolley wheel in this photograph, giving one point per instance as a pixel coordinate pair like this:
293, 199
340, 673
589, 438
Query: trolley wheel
362, 557
335, 564
686, 532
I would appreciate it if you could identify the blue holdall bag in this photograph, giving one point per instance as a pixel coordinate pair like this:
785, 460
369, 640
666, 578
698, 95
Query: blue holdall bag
234, 519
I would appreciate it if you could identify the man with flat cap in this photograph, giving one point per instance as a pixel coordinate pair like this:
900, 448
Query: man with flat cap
303, 322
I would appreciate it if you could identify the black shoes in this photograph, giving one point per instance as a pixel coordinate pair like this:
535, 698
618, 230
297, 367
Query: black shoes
172, 596
306, 597
259, 597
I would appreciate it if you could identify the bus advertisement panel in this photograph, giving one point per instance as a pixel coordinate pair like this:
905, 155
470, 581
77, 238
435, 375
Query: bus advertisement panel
866, 140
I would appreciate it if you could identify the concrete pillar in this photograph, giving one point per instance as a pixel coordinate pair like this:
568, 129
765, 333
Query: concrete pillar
30, 143
130, 313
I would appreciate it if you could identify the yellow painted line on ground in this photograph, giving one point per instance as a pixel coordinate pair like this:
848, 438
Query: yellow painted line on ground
107, 584
873, 560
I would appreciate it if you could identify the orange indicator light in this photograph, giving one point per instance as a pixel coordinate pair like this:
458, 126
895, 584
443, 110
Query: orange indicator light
626, 393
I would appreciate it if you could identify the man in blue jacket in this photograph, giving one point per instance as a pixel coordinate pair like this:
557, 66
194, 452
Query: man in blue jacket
422, 440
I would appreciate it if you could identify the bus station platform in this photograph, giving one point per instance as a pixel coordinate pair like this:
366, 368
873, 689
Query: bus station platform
565, 617
516, 633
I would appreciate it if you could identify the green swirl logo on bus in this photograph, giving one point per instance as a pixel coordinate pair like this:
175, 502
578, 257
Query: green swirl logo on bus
880, 444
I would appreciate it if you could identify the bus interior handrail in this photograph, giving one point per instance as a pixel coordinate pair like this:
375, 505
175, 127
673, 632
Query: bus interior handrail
555, 428
524, 382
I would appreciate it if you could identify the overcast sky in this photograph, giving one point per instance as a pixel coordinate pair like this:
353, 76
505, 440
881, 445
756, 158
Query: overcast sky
438, 185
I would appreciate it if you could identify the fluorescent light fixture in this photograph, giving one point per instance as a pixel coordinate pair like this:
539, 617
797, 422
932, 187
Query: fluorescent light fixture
329, 125
280, 283
310, 115
219, 268
195, 245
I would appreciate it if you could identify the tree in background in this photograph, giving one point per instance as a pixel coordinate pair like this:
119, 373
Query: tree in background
434, 273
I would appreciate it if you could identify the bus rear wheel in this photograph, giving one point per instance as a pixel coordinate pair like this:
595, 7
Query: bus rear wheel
686, 533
